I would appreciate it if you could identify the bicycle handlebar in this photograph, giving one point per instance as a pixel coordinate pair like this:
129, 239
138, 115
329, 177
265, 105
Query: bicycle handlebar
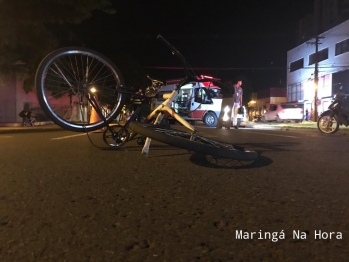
189, 77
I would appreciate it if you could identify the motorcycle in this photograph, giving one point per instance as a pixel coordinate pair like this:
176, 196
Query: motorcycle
336, 115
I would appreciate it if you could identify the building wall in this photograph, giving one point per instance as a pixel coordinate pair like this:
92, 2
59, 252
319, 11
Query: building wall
300, 83
8, 100
13, 100
331, 65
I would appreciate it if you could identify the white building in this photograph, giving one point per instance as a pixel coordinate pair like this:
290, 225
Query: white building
333, 65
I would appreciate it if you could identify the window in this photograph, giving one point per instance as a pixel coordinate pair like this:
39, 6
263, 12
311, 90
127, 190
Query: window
296, 65
342, 47
273, 107
322, 55
295, 92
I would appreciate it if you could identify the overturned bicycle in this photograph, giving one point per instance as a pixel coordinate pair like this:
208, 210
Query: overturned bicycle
90, 81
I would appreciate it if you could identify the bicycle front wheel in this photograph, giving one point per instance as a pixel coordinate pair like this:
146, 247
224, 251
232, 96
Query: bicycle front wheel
198, 143
65, 81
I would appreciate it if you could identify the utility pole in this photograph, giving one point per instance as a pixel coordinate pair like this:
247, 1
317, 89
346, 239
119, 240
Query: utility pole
316, 74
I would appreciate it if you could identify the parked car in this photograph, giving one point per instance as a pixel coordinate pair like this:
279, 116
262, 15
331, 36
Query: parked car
284, 112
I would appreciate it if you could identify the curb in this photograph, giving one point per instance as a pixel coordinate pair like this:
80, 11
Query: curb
288, 127
30, 129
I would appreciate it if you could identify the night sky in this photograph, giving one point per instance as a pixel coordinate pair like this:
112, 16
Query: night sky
225, 39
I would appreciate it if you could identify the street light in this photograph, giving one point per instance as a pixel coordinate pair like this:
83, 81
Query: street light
252, 103
93, 90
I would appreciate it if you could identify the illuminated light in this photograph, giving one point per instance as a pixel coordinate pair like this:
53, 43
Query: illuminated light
93, 89
209, 77
252, 103
309, 90
226, 110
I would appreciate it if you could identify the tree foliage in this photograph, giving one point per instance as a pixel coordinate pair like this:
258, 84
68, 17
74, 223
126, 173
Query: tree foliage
26, 34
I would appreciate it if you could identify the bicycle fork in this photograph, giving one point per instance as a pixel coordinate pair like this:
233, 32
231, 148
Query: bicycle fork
145, 149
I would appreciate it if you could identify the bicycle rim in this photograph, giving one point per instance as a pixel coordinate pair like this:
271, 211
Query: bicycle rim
199, 144
64, 80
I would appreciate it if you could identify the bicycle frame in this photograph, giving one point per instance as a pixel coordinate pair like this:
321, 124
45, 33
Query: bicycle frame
98, 88
166, 105
159, 114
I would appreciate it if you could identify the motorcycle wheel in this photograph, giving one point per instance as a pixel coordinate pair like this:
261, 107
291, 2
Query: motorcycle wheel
327, 124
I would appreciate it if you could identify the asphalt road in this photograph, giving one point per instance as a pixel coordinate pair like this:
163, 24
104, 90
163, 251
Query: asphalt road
64, 199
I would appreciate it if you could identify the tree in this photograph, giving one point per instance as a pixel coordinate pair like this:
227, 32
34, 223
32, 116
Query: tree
26, 34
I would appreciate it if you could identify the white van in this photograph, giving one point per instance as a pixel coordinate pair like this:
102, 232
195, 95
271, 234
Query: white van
198, 102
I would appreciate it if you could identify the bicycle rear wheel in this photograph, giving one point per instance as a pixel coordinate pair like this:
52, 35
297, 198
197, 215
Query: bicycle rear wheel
64, 82
199, 144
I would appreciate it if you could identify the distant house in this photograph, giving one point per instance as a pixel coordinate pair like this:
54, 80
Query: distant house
261, 100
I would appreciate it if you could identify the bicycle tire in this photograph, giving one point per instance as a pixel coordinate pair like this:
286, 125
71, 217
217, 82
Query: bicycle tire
200, 144
62, 82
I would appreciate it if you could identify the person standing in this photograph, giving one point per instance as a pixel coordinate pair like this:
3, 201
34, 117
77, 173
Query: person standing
306, 115
237, 98
227, 92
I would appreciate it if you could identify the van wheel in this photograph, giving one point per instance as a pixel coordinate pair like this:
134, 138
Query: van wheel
210, 119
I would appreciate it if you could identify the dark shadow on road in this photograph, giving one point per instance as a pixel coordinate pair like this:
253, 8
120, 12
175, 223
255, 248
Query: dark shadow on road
138, 148
263, 147
213, 162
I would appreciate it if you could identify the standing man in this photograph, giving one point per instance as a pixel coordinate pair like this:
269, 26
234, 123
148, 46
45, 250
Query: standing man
227, 92
237, 97
306, 115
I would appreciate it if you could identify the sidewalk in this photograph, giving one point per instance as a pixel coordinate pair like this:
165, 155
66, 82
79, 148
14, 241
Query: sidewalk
306, 124
50, 126
303, 125
9, 128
